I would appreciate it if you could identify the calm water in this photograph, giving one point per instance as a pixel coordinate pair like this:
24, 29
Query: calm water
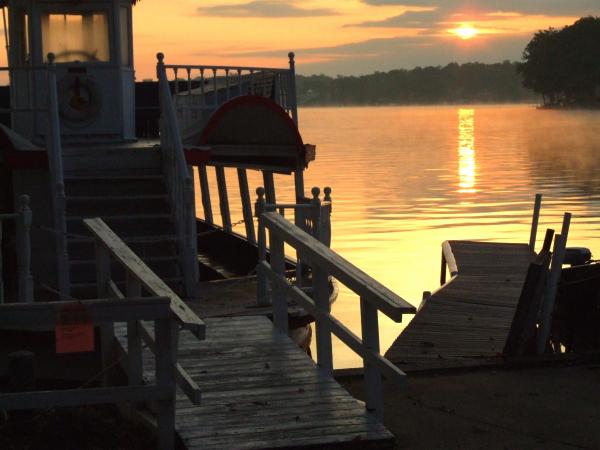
405, 179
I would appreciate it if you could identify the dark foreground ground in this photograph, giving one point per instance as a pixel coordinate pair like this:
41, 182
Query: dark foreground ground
543, 408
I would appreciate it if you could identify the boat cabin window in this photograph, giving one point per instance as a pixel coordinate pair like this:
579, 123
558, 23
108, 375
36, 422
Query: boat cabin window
79, 37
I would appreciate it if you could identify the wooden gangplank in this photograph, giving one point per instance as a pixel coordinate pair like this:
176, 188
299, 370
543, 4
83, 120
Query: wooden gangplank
259, 390
466, 322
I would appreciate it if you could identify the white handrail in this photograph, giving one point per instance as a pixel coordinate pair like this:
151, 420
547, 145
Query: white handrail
324, 263
23, 220
180, 181
54, 148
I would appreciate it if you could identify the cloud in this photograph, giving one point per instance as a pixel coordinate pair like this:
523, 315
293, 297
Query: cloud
408, 19
264, 8
541, 7
385, 54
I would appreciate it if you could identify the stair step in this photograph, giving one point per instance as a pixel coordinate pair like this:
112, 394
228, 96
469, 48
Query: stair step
112, 176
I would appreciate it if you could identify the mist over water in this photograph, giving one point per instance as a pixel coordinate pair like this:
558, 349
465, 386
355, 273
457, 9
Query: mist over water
405, 179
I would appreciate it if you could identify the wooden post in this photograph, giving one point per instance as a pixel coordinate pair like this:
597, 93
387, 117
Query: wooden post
223, 200
134, 339
326, 217
320, 279
56, 176
246, 206
299, 215
534, 221
107, 330
558, 256
280, 313
269, 186
292, 86
24, 222
165, 377
316, 216
370, 336
443, 270
262, 293
205, 189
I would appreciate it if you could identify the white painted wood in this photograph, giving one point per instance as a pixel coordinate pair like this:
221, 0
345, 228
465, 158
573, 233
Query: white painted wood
370, 338
149, 280
280, 314
205, 192
534, 221
269, 186
320, 280
57, 182
246, 206
134, 341
318, 254
558, 256
179, 181
223, 198
165, 378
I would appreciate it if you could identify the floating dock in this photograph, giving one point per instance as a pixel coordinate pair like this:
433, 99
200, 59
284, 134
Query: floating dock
466, 322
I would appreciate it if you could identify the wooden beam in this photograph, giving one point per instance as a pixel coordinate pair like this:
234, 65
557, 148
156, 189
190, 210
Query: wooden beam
223, 198
148, 279
348, 274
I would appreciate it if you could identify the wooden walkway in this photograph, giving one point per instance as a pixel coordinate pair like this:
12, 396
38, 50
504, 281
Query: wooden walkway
260, 391
466, 322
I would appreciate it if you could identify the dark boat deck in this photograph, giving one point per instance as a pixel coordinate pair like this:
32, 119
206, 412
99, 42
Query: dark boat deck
466, 322
259, 390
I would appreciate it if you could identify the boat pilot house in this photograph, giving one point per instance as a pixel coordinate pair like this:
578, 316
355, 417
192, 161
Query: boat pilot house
122, 269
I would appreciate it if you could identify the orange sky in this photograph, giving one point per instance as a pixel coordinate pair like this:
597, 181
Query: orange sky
342, 36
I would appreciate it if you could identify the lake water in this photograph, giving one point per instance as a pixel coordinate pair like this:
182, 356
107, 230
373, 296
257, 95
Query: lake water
405, 179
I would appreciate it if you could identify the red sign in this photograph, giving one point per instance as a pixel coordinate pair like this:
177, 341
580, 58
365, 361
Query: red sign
74, 330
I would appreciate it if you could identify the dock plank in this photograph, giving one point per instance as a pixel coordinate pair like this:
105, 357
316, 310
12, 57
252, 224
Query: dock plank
259, 390
466, 322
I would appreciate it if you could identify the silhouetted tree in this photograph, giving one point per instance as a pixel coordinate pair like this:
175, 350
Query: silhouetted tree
564, 66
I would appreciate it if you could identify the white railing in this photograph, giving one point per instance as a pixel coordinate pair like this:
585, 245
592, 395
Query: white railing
200, 89
23, 219
324, 264
180, 182
57, 184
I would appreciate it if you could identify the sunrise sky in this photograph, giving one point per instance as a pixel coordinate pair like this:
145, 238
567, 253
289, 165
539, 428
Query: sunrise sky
343, 36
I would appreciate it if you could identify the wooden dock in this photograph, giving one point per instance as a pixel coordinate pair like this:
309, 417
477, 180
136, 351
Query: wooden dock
466, 322
260, 391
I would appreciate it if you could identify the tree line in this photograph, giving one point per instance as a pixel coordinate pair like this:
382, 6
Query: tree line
564, 65
453, 83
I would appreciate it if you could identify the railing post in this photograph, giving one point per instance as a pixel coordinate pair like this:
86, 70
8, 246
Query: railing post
134, 338
292, 95
246, 206
24, 251
56, 176
326, 217
316, 213
107, 330
534, 221
280, 313
370, 337
558, 256
223, 198
262, 294
320, 281
443, 270
205, 190
165, 377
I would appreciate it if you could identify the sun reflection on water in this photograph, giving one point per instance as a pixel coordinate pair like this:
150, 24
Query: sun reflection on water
466, 151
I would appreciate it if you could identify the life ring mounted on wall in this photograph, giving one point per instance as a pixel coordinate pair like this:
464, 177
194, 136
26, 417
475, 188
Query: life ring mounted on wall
79, 99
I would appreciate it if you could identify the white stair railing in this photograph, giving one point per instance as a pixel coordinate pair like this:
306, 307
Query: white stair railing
180, 182
54, 148
23, 219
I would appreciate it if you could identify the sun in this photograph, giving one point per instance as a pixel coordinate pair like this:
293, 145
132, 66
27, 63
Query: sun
465, 31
